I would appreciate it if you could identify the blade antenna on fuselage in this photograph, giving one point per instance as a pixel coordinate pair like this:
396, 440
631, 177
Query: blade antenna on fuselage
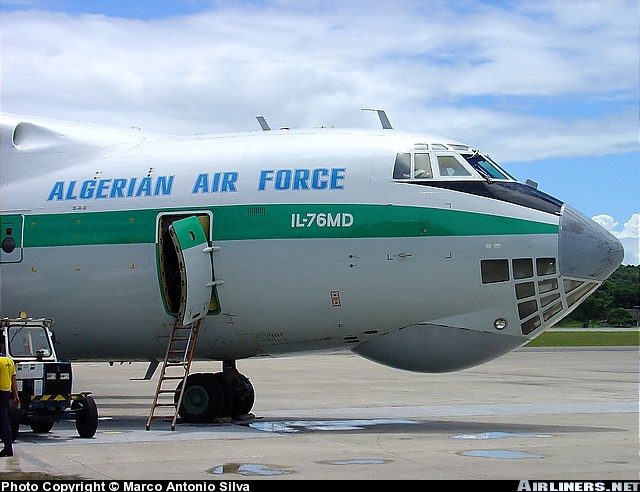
384, 121
263, 123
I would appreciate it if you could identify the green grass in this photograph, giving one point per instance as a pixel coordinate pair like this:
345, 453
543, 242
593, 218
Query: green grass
583, 338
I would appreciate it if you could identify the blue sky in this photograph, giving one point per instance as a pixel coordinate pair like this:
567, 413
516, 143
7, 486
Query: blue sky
548, 88
132, 9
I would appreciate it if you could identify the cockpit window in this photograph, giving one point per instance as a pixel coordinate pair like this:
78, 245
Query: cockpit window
485, 166
448, 166
402, 167
422, 166
417, 165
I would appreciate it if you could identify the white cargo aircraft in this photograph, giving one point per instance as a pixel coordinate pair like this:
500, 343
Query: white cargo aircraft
414, 251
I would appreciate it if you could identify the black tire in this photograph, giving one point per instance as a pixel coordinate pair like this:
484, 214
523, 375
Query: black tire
226, 395
202, 399
244, 398
86, 417
41, 427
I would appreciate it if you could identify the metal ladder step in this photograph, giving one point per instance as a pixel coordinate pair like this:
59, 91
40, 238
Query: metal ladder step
169, 361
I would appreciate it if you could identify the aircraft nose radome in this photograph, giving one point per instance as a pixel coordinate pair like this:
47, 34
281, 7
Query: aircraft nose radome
586, 249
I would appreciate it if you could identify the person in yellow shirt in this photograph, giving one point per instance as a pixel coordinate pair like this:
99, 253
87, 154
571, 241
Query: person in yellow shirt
8, 392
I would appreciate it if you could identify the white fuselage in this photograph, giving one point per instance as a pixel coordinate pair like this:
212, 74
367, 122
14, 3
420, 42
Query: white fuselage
316, 246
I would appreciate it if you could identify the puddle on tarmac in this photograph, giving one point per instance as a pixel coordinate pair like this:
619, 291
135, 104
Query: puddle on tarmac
293, 426
248, 470
257, 470
500, 454
496, 435
355, 462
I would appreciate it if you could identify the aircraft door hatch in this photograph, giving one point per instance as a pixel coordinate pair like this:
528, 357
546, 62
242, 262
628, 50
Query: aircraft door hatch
186, 266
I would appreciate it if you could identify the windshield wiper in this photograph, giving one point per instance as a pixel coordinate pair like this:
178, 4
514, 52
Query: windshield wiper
481, 170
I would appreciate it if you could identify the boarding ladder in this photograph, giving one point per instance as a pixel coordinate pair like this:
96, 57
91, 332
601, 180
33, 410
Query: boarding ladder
175, 369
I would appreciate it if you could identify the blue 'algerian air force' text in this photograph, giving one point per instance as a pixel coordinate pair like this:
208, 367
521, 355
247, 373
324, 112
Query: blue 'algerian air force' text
216, 182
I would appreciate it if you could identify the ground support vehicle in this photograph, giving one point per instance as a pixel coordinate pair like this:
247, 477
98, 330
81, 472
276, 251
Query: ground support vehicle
44, 383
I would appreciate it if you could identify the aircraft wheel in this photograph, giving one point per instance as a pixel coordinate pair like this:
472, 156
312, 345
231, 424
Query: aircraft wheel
202, 399
226, 394
87, 416
244, 398
41, 427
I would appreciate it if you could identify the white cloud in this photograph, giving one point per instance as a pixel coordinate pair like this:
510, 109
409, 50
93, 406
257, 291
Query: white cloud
315, 63
606, 221
631, 228
629, 235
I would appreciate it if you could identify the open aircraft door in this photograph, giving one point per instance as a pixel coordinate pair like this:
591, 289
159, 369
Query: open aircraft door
192, 268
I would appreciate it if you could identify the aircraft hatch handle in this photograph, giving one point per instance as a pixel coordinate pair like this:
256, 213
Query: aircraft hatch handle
211, 249
214, 283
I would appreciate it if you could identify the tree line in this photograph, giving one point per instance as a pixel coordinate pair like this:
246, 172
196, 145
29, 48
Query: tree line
612, 300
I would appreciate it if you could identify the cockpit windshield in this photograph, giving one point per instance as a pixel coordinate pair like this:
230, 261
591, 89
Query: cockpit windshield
441, 165
486, 167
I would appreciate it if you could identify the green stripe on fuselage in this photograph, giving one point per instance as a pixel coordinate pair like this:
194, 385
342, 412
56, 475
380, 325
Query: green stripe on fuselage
241, 222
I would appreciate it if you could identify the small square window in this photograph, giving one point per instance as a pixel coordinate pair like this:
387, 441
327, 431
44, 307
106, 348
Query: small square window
494, 271
527, 308
548, 285
546, 300
526, 289
523, 268
546, 266
530, 325
552, 311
